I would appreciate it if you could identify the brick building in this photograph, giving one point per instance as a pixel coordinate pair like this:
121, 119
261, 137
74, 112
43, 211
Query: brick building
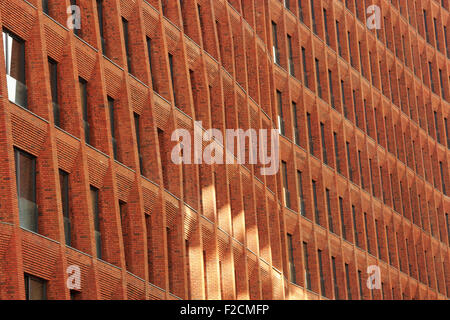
87, 184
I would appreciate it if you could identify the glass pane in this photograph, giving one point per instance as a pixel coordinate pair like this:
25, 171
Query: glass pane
36, 289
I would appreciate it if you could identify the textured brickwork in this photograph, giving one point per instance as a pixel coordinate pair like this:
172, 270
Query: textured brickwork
365, 142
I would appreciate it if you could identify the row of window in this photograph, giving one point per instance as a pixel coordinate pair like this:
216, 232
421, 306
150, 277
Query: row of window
303, 256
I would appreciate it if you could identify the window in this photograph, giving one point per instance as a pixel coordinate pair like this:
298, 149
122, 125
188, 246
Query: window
295, 122
330, 215
280, 113
324, 146
430, 69
100, 24
366, 229
291, 58
441, 169
96, 212
305, 70
137, 129
112, 126
14, 50
336, 152
287, 198
313, 17
360, 169
330, 83
276, 54
200, 21
316, 209
292, 275
322, 277
319, 87
287, 4
341, 211
75, 30
26, 189
338, 38
335, 283
45, 8
360, 285
425, 25
35, 288
325, 23
84, 105
347, 277
126, 36
300, 194
149, 51
311, 142
306, 264
300, 11
172, 78
344, 106
355, 226
441, 81
64, 187
53, 72
355, 108
349, 162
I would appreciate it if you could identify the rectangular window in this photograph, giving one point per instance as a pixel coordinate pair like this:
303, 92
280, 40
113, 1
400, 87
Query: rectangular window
313, 17
441, 81
292, 275
35, 288
305, 70
436, 33
280, 113
137, 128
325, 23
26, 189
316, 209
336, 152
287, 198
53, 72
324, 146
330, 83
355, 226
446, 42
322, 277
344, 105
330, 215
360, 285
14, 51
378, 239
45, 8
430, 70
64, 187
349, 162
291, 57
112, 126
300, 11
75, 30
441, 169
150, 56
172, 78
335, 283
360, 169
311, 142
126, 36
84, 105
347, 277
319, 87
100, 24
341, 211
371, 177
300, 194
96, 213
306, 264
367, 233
338, 38
276, 54
295, 122
355, 108
436, 126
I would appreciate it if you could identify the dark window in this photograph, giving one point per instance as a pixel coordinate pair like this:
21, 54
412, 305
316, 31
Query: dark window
324, 146
441, 168
311, 142
425, 25
305, 70
436, 126
14, 50
306, 263
355, 226
349, 162
84, 106
280, 113
336, 152
330, 215
292, 275
149, 51
300, 193
35, 288
53, 71
291, 57
26, 189
341, 211
344, 105
316, 209
287, 198
138, 140
338, 38
330, 82
335, 283
126, 36
172, 78
360, 169
313, 17
112, 126
300, 11
325, 23
64, 186
367, 233
319, 87
347, 277
45, 6
295, 121
360, 285
96, 213
100, 24
321, 274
